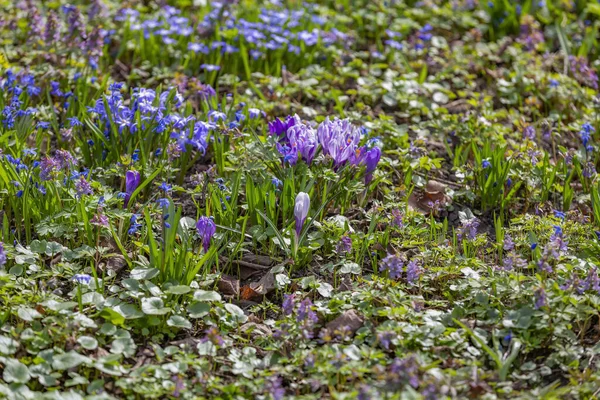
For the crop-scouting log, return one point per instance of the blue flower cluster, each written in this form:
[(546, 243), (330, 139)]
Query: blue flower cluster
[(275, 29)]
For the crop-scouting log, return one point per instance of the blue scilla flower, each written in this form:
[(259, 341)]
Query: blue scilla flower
[(29, 152), (74, 121), (83, 279), (164, 203), (165, 187), (486, 164), (586, 132), (43, 125), (134, 227)]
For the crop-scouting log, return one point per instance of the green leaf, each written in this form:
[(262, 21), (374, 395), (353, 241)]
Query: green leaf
[(144, 273), (154, 306), (129, 311), (236, 312), (423, 74), (198, 309), (124, 346), (178, 321), (277, 233), (28, 314), (15, 371), (178, 289), (8, 345), (88, 342), (516, 346), (350, 268), (38, 246), (112, 316), (206, 295), (142, 186), (68, 360), (484, 345)]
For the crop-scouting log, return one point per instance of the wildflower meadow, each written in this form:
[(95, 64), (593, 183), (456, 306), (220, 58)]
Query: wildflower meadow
[(282, 199)]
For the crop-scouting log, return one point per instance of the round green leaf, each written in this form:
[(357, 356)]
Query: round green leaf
[(87, 342), (154, 306), (179, 289), (177, 321), (15, 371)]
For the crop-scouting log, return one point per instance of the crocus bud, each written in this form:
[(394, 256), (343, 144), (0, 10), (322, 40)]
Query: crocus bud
[(2, 254), (372, 158), (206, 229), (132, 181), (301, 211)]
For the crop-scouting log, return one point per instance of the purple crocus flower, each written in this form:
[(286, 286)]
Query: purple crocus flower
[(303, 139), (371, 160), (2, 255), (206, 229), (132, 181), (339, 140), (280, 127), (301, 211)]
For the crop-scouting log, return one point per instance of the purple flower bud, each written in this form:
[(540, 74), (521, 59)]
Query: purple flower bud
[(132, 181), (371, 160), (301, 211), (2, 255), (206, 229)]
